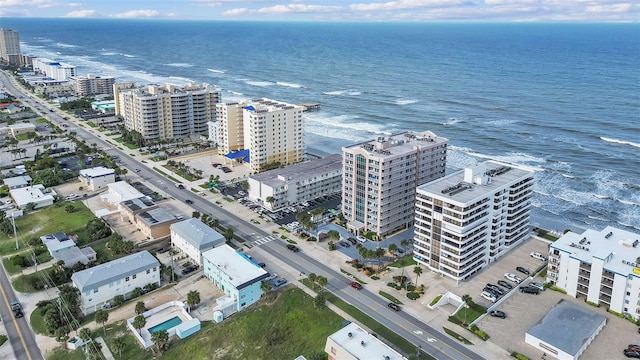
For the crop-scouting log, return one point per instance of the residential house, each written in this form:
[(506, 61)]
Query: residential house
[(193, 237)]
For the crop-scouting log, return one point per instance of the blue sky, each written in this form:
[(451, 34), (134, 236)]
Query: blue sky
[(332, 10)]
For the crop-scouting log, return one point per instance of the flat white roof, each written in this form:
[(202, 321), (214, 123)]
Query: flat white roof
[(30, 194), (96, 172), (124, 190), (614, 246), (240, 269), (362, 345)]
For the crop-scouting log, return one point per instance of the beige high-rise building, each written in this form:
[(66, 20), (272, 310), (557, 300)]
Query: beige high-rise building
[(93, 85), (380, 179), (10, 47), (165, 112), (272, 132)]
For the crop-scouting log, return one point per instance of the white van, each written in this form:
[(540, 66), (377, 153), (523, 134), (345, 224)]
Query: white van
[(489, 296), (180, 186)]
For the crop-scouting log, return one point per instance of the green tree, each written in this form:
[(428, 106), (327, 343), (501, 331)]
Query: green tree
[(320, 300), (69, 208), (265, 286), (228, 234), (84, 334), (102, 317), (333, 235), (140, 308), (160, 340), (118, 344), (193, 299), (379, 254), (195, 214), (139, 322), (404, 243), (322, 282), (392, 249), (271, 200), (418, 271), (312, 277), (62, 334), (468, 301), (118, 300)]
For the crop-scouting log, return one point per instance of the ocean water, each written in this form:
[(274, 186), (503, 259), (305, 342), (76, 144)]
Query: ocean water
[(561, 99)]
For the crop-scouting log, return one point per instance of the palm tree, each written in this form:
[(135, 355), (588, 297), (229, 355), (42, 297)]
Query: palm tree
[(102, 317), (379, 254), (271, 200), (312, 277), (84, 334), (228, 234), (333, 235), (139, 322), (418, 271), (118, 344), (322, 281), (265, 286), (160, 340), (404, 243), (140, 308), (392, 249), (215, 223), (193, 299)]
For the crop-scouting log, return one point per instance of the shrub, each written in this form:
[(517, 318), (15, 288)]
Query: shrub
[(413, 296), (375, 277), (411, 288), (390, 284), (519, 356), (137, 292), (592, 303), (434, 301), (118, 300)]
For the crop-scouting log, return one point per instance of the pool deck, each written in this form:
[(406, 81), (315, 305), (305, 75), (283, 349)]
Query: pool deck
[(157, 316)]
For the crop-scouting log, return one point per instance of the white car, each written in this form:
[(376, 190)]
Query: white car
[(513, 277), (362, 239), (538, 256), (489, 296)]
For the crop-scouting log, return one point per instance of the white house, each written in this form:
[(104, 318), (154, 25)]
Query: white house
[(102, 283), (193, 237), (17, 181), (57, 242), (232, 272), (35, 194), (97, 177), (353, 342), (120, 191)]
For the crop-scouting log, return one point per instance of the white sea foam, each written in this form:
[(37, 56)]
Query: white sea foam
[(601, 196), (216, 71), (259, 83), (107, 53), (354, 93), (626, 202), (343, 92), (618, 141), (180, 65), (181, 80), (128, 55), (569, 176), (520, 159), (234, 92), (405, 102), (451, 121), (291, 85), (63, 45)]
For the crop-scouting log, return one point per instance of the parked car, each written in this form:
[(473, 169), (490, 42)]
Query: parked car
[(352, 240), (522, 270), (512, 277), (189, 269), (278, 282), (538, 256), (262, 265), (496, 289), (505, 284), (489, 296), (537, 286), (362, 239), (633, 347), (17, 309), (345, 244), (293, 248), (498, 314), (631, 353), (355, 285), (393, 306), (530, 290), (492, 291), (163, 250)]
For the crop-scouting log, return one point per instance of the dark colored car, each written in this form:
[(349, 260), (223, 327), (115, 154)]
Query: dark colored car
[(495, 288), (189, 201), (522, 270), (189, 269), (262, 265), (164, 250), (17, 309), (136, 170), (393, 306), (498, 314), (355, 285), (345, 244), (634, 347), (292, 248), (505, 284), (492, 291), (352, 240), (631, 353), (530, 290)]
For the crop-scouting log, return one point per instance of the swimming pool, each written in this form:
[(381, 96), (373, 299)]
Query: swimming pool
[(175, 321)]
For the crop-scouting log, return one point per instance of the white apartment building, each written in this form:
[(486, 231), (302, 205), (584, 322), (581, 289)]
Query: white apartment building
[(165, 112), (601, 266), (214, 131), (10, 47), (470, 218), (272, 131), (54, 69), (380, 179), (297, 183), (101, 283), (354, 343), (97, 177), (193, 238), (93, 85)]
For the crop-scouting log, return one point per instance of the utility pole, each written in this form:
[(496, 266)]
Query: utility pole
[(15, 233)]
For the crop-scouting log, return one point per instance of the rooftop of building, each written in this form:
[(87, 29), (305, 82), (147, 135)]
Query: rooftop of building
[(96, 172), (156, 89), (21, 126), (106, 273), (74, 255), (56, 242), (156, 216), (136, 204), (196, 233), (567, 326), (241, 271), (397, 144), (27, 194), (17, 181), (619, 249), (362, 345), (268, 105), (124, 190), (473, 182), (300, 172)]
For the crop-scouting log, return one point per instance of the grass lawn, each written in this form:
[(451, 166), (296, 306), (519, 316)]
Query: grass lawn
[(42, 121), (188, 177), (405, 261), (92, 124), (284, 329), (130, 146), (45, 221), (9, 267), (21, 137), (23, 283), (467, 315), (37, 322)]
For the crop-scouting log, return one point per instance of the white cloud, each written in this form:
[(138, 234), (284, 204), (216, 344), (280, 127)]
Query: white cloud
[(407, 5), (143, 13), (284, 9), (82, 14)]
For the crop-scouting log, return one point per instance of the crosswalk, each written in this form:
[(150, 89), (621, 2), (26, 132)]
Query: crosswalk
[(263, 240)]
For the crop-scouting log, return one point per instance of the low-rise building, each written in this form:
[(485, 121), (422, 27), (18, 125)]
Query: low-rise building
[(35, 194), (155, 223), (74, 255), (193, 237), (101, 283), (17, 182), (21, 128), (297, 183), (130, 208), (97, 177), (601, 266), (353, 343), (120, 191), (57, 242), (235, 274), (105, 107)]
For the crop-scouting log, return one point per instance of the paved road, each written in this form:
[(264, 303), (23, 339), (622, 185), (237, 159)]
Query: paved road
[(370, 304)]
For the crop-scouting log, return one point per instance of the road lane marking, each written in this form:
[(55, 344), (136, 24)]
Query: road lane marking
[(24, 344)]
